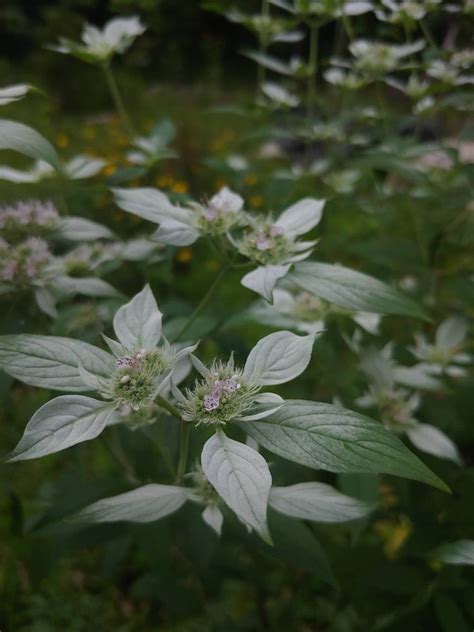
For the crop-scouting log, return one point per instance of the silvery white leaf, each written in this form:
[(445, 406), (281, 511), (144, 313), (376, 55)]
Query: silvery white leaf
[(16, 175), (117, 349), (357, 7), (451, 333), (263, 280), (144, 504), (92, 381), (242, 479), (88, 286), (199, 366), (45, 301), (81, 229), (14, 93), (61, 423), (149, 204), (278, 358), (318, 502), (432, 440), (175, 233), (459, 552), (417, 376), (52, 361), (267, 61), (27, 141), (301, 217), (81, 167), (290, 37), (137, 324), (213, 517)]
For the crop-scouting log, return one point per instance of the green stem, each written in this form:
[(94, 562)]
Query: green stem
[(161, 401), (261, 70), (427, 33), (117, 99), (348, 27), (183, 451), (312, 69), (204, 301)]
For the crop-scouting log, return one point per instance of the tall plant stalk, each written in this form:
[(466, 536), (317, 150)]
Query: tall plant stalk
[(117, 99), (263, 45), (312, 69)]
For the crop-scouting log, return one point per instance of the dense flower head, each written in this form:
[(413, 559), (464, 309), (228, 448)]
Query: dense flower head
[(265, 242), (28, 217), (23, 263), (396, 408), (134, 382), (445, 354), (219, 396), (203, 492), (222, 213)]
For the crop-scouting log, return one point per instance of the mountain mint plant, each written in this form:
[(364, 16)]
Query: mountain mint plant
[(394, 185)]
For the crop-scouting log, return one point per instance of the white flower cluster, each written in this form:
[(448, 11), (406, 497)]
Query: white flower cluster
[(23, 263), (271, 243)]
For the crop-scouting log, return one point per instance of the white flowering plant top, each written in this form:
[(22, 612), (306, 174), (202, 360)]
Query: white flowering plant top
[(141, 373), (99, 45), (395, 392)]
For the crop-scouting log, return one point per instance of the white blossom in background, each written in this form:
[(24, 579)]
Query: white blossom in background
[(305, 313), (344, 78), (279, 96), (236, 162), (99, 45), (148, 150), (78, 168), (415, 87), (324, 8), (445, 356), (448, 73), (31, 217), (268, 29), (274, 245), (343, 182), (398, 406), (181, 226), (10, 94), (405, 12), (374, 59)]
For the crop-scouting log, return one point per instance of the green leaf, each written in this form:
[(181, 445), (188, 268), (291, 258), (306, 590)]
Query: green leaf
[(331, 438), (60, 424), (295, 543), (450, 615), (27, 141), (352, 290), (52, 361), (318, 502), (459, 552), (144, 504), (241, 477)]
